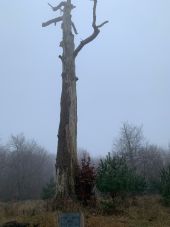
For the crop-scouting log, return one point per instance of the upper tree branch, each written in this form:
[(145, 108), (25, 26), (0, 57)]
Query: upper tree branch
[(52, 21), (95, 33), (94, 13), (57, 7), (62, 4), (105, 22)]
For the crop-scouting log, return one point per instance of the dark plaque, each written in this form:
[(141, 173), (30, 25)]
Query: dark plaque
[(71, 220)]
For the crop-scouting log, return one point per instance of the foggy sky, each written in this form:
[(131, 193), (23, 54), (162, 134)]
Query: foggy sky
[(124, 75)]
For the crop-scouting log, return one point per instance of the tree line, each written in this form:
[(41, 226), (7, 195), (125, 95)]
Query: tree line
[(133, 167), (25, 168)]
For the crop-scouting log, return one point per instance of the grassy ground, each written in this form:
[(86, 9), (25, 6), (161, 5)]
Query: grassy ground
[(144, 212)]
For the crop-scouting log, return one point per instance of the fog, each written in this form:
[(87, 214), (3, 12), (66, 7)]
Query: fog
[(123, 74)]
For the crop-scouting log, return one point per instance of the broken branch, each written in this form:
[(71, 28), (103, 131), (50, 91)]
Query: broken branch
[(61, 57), (57, 7), (58, 19), (74, 28)]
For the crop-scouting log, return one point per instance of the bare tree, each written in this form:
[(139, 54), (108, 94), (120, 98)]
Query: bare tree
[(129, 143), (66, 160), (145, 159)]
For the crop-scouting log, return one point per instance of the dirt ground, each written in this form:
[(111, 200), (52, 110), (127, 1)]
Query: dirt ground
[(146, 212)]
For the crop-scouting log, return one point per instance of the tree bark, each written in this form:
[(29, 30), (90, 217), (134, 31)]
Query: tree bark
[(66, 161)]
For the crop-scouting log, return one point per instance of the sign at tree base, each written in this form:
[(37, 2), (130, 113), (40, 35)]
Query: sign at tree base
[(71, 220)]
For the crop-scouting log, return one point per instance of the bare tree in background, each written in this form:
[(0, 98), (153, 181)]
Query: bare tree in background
[(146, 159), (129, 143), (66, 160)]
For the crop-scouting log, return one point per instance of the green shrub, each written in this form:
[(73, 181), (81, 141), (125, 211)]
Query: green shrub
[(114, 177)]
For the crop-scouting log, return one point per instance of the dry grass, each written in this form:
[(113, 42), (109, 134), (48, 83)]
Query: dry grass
[(145, 212)]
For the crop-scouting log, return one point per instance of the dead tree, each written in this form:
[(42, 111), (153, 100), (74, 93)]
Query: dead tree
[(66, 160)]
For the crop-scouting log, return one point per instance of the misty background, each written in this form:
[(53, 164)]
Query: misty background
[(123, 74)]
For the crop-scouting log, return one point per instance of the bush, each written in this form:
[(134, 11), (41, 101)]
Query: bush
[(49, 190), (85, 180), (165, 185), (114, 177)]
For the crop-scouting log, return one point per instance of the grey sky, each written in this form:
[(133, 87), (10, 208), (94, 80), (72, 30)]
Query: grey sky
[(124, 75)]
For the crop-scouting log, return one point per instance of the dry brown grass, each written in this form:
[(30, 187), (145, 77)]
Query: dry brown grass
[(147, 211)]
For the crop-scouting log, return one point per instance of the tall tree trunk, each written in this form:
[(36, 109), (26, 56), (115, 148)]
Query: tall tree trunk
[(66, 161)]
